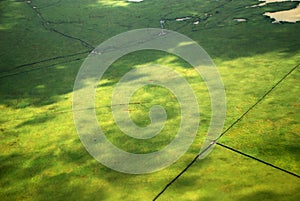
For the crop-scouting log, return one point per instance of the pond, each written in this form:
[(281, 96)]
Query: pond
[(292, 15)]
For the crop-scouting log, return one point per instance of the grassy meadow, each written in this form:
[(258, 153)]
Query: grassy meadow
[(44, 43)]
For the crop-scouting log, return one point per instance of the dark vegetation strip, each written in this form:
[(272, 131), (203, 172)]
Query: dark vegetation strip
[(109, 49), (38, 68), (239, 152), (46, 60), (84, 43), (259, 160), (51, 4), (46, 23)]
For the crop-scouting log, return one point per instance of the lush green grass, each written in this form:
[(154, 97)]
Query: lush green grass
[(41, 154)]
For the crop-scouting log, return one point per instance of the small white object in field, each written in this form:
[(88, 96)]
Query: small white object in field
[(136, 1), (182, 19), (28, 1), (276, 22), (162, 33), (34, 7), (197, 22), (240, 20), (96, 52), (162, 22)]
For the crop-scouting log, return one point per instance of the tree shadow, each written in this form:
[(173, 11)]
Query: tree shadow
[(270, 195), (38, 88), (242, 40), (41, 174)]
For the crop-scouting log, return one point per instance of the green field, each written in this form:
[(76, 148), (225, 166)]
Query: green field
[(44, 43)]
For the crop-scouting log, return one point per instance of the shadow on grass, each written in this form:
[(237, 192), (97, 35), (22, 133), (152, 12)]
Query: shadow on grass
[(52, 170), (45, 87), (38, 88), (40, 119), (36, 181), (271, 196)]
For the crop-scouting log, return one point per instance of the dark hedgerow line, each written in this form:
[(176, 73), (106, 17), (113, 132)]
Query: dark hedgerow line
[(45, 60), (259, 160), (38, 68)]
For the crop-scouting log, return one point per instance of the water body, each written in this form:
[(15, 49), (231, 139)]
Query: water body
[(292, 15)]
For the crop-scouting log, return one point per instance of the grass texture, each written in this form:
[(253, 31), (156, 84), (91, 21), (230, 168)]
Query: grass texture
[(43, 44)]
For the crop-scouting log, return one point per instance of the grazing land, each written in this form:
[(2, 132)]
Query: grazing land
[(44, 43)]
